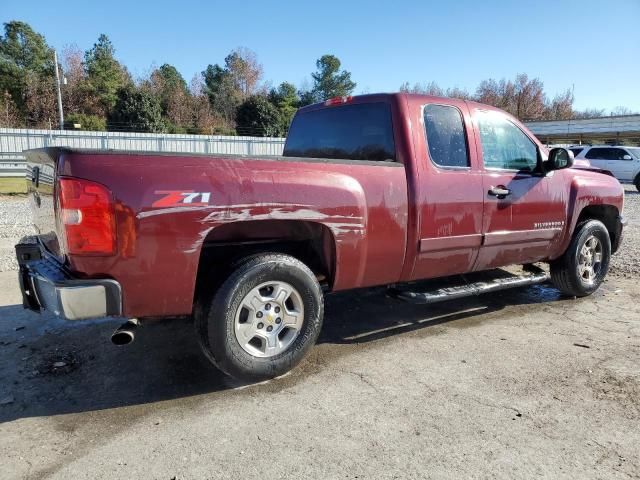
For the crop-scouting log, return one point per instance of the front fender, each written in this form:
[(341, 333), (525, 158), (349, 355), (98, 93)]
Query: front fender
[(591, 189)]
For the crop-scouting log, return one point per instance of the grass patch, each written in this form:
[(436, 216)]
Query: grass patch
[(13, 185)]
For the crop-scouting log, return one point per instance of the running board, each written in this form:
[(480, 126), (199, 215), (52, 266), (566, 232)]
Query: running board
[(534, 276)]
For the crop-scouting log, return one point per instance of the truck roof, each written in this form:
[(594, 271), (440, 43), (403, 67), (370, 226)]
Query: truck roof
[(386, 97), (368, 98)]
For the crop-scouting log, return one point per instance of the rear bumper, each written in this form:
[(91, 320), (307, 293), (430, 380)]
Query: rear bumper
[(47, 285), (621, 222)]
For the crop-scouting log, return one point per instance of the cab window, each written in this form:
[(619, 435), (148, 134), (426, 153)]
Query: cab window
[(351, 132), (445, 136), (505, 146)]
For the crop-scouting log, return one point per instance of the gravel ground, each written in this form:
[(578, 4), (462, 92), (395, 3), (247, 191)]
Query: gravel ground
[(15, 223), (626, 262)]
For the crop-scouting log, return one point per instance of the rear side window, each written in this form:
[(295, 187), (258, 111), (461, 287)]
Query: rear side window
[(445, 136), (618, 154), (352, 132), (505, 146)]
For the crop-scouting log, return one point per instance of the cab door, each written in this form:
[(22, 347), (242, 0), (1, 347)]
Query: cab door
[(524, 210), (449, 190)]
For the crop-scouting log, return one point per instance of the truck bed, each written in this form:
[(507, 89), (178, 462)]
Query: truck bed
[(168, 206)]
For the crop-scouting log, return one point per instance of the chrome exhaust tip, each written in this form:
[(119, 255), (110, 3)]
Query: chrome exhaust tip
[(125, 334)]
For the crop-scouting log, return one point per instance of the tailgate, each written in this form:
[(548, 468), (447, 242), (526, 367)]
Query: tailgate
[(41, 176)]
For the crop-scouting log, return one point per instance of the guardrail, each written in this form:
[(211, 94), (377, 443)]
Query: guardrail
[(12, 165)]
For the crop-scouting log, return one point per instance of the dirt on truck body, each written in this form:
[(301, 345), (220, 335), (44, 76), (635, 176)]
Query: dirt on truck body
[(371, 190)]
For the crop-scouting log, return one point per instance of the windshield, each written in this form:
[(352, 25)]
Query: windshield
[(352, 132)]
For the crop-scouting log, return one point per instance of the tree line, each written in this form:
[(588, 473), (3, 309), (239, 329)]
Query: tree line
[(99, 93), (522, 97)]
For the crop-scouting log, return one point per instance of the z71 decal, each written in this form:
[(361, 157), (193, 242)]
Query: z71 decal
[(177, 198)]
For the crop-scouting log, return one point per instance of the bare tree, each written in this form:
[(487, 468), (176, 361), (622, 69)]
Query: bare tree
[(179, 107), (168, 85), (40, 96), (77, 95), (589, 113), (201, 114), (530, 100), (430, 88), (621, 110), (459, 93), (497, 93), (197, 86), (524, 98), (245, 70), (560, 107), (9, 114), (229, 85), (72, 63)]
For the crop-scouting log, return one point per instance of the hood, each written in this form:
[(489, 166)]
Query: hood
[(583, 164)]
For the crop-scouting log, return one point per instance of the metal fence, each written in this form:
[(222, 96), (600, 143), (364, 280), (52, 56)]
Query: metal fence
[(14, 141), (610, 130)]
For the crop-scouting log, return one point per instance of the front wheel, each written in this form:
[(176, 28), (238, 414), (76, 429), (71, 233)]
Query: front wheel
[(637, 182), (263, 318), (583, 267)]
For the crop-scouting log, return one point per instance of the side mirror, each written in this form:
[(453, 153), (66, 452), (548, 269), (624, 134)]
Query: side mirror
[(559, 158), (627, 157)]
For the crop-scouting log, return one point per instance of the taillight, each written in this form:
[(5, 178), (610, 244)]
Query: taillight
[(338, 101), (87, 217)]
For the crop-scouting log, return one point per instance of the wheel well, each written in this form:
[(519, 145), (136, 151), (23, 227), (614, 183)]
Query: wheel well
[(310, 242), (607, 214)]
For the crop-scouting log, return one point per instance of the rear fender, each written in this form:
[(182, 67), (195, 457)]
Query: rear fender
[(345, 216)]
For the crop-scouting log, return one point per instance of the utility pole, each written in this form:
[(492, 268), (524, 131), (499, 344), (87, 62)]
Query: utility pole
[(55, 61)]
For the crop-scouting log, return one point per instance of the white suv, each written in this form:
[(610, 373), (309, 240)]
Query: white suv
[(623, 162)]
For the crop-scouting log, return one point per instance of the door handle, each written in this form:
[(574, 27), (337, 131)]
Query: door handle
[(499, 191)]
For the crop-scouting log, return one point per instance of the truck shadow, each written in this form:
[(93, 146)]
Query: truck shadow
[(383, 316), (52, 367)]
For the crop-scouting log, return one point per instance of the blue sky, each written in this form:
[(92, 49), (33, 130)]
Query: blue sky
[(592, 45)]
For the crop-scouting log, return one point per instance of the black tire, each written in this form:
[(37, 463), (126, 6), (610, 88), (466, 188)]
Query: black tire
[(565, 270), (636, 182), (215, 321)]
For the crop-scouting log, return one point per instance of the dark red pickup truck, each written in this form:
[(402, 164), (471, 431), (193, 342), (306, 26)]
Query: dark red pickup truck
[(370, 190)]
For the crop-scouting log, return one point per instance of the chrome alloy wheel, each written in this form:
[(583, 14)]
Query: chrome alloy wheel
[(269, 319), (590, 260)]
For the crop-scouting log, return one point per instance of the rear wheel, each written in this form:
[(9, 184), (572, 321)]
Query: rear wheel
[(636, 182), (264, 317), (583, 267)]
